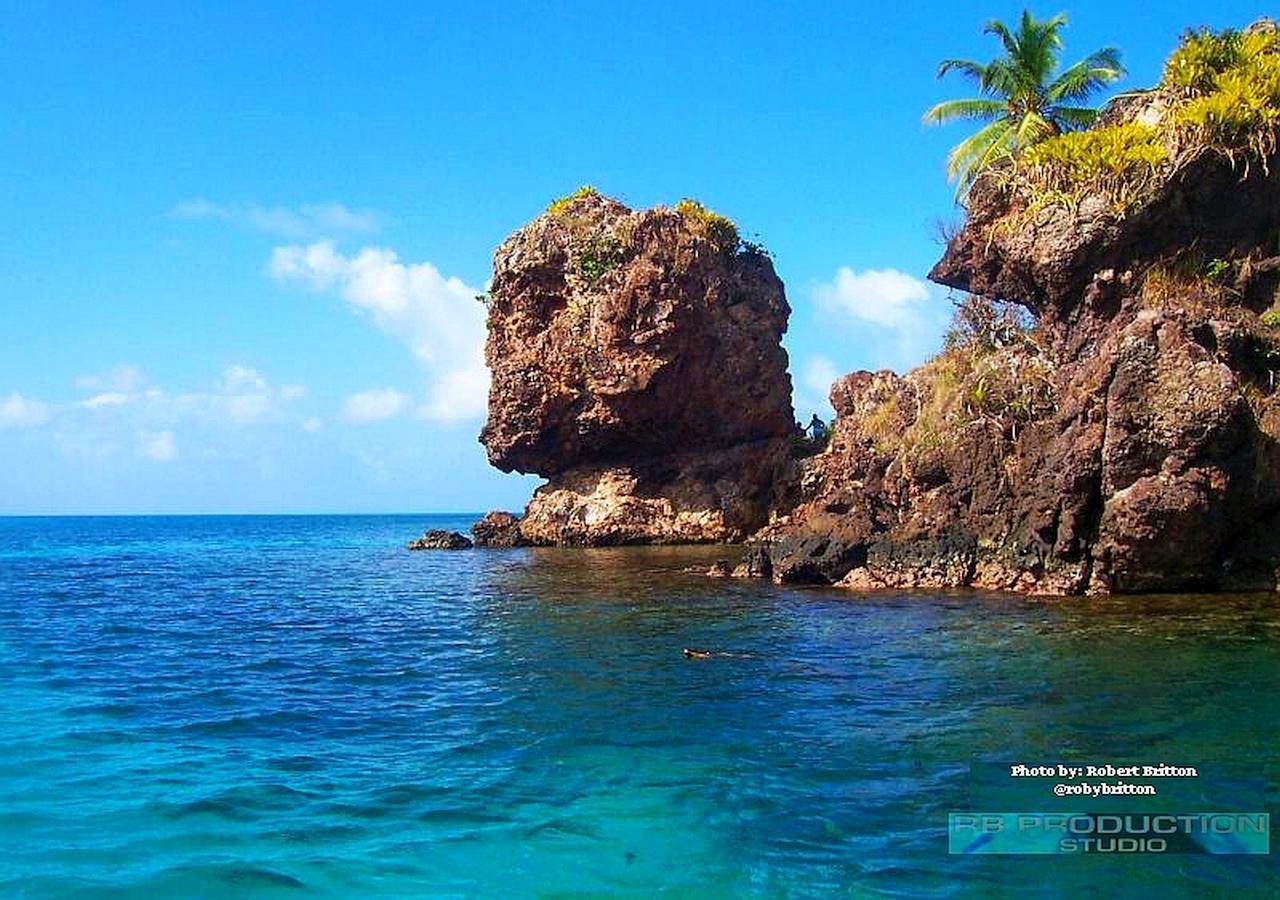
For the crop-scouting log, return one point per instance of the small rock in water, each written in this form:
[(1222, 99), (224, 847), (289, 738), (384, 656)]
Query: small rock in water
[(498, 529), (438, 539)]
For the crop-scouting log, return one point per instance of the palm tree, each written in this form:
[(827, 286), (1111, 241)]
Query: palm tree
[(1025, 98)]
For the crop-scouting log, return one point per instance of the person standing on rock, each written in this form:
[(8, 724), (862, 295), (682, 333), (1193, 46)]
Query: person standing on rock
[(817, 428)]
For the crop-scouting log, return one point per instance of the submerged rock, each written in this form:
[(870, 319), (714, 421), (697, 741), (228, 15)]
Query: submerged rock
[(721, 568), (438, 539), (637, 364)]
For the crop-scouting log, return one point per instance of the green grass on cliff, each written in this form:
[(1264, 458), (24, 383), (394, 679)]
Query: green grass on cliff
[(716, 228), (1231, 82), (598, 254), (560, 205), (993, 373), (1220, 92), (1117, 160)]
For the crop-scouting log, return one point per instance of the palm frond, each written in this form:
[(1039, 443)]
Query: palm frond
[(973, 108), (1038, 46), (1001, 30), (1072, 118), (976, 152), (1031, 129), (1086, 77), (974, 70), (1001, 79)]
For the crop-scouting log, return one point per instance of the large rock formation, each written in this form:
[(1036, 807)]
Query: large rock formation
[(1125, 442), (636, 364)]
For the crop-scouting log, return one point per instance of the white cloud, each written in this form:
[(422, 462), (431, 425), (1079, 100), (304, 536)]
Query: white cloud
[(435, 316), (374, 406), (235, 414), (157, 445), (882, 296), (109, 398), (200, 209), (461, 393), (310, 220), (122, 379), (819, 374), (901, 316), (17, 411), (241, 396), (245, 396), (812, 382)]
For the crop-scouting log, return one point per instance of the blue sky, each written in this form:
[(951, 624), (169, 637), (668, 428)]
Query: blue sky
[(240, 240)]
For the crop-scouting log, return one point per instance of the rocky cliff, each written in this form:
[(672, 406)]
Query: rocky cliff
[(637, 364), (1104, 417)]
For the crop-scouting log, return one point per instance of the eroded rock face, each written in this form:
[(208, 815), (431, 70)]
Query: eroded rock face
[(680, 498), (1074, 265), (1133, 442), (1153, 472), (637, 364)]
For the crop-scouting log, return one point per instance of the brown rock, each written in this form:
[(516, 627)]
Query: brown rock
[(721, 568), (498, 529), (438, 539), (1129, 442), (637, 363)]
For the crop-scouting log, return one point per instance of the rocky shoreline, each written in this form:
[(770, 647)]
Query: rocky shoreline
[(1102, 419)]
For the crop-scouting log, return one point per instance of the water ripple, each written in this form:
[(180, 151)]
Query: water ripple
[(297, 706)]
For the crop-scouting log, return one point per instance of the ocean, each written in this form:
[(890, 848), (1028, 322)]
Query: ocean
[(299, 707)]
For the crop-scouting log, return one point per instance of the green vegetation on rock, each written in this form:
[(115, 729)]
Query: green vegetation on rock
[(1220, 92), (713, 226), (560, 205), (598, 245), (1231, 85), (1104, 159), (992, 373), (598, 256)]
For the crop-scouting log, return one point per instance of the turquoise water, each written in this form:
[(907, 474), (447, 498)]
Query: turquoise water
[(297, 707)]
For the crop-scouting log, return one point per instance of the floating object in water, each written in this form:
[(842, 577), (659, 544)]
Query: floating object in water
[(698, 653)]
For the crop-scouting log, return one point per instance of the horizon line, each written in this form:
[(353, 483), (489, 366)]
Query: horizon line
[(224, 515)]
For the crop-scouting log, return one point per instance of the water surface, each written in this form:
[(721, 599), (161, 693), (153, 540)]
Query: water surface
[(296, 706)]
